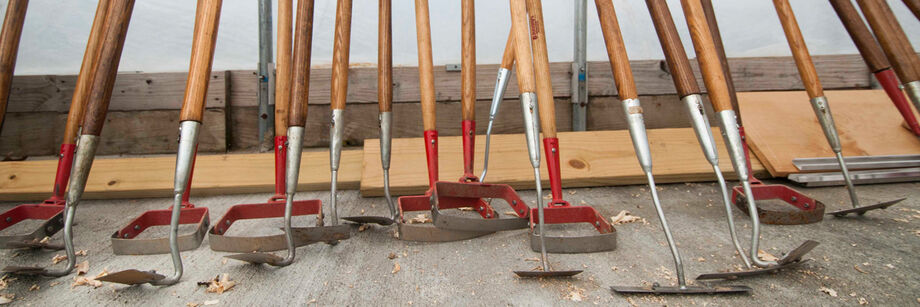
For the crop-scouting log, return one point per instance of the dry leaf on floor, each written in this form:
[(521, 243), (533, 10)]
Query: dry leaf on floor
[(82, 267), (420, 219), (701, 259), (396, 267), (211, 302), (88, 281), (35, 287), (465, 208), (766, 256), (863, 301), (856, 266), (192, 304), (7, 298), (4, 282), (58, 258), (220, 284), (363, 227), (515, 213), (625, 217), (575, 294), (534, 259), (45, 240), (391, 256), (829, 291), (54, 283), (81, 252)]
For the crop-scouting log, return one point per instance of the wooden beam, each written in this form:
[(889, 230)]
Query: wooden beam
[(153, 177), (781, 126), (593, 158)]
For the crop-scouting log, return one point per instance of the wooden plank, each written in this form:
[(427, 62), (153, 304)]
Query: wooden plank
[(133, 91), (125, 132), (594, 158), (153, 176), (781, 126)]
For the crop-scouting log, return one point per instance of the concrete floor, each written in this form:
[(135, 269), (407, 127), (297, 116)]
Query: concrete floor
[(872, 258)]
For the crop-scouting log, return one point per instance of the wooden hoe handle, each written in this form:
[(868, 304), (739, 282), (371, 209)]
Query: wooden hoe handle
[(869, 49), (707, 55), (9, 46), (892, 38), (674, 52), (300, 78), (385, 56), (207, 18), (340, 50), (616, 50), (520, 34), (425, 66), (545, 102), (85, 78), (468, 71), (799, 49), (283, 67), (508, 55), (115, 28)]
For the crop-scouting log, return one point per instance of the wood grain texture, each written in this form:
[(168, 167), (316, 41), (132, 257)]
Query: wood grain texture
[(866, 123), (799, 49), (914, 6), (340, 52), (713, 23), (594, 158), (674, 53), (616, 50), (425, 66), (707, 55), (300, 74), (118, 16), (85, 77), (520, 33), (283, 66), (153, 177), (892, 38), (468, 60), (385, 56), (865, 42), (204, 41), (541, 69), (9, 47), (508, 54)]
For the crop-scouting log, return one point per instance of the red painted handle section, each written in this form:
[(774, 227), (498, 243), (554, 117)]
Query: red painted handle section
[(431, 155), (280, 162), (469, 150), (62, 175), (889, 82), (551, 150)]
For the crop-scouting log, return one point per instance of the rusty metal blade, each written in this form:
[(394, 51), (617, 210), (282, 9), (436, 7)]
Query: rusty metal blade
[(797, 253), (429, 233), (478, 224), (576, 245), (864, 209), (321, 233), (542, 274), (154, 246), (222, 243), (257, 258), (678, 290), (380, 220), (755, 272), (132, 277)]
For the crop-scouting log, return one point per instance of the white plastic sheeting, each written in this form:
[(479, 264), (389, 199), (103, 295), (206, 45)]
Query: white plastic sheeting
[(160, 34)]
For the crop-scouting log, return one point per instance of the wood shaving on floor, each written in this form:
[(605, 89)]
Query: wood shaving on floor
[(7, 298), (625, 217), (82, 267), (766, 256), (88, 281), (396, 268), (420, 219), (220, 284), (828, 291)]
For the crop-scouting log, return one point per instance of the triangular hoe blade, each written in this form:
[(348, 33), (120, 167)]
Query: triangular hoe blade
[(321, 233), (678, 290), (380, 220), (797, 253), (257, 258), (132, 277), (864, 209), (548, 274), (736, 275)]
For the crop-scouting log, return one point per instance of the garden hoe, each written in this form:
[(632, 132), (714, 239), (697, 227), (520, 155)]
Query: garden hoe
[(714, 76), (874, 57), (806, 210), (207, 18), (896, 45), (297, 116), (274, 208), (385, 103), (690, 94), (101, 78), (626, 89), (407, 230), (52, 209), (914, 6), (469, 186), (819, 103), (520, 27), (498, 94)]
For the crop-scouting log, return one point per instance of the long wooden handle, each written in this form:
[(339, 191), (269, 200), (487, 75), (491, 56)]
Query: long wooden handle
[(799, 49), (425, 66), (283, 66), (713, 24), (914, 6), (892, 38), (300, 74), (706, 55), (871, 52), (207, 18), (616, 50), (468, 61), (9, 47), (508, 54), (339, 93), (115, 28), (673, 48), (547, 105), (385, 56), (85, 78), (520, 34)]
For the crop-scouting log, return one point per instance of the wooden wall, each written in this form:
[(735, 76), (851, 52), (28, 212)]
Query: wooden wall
[(144, 110)]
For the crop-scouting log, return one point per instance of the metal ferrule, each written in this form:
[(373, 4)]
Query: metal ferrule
[(531, 126), (826, 119), (633, 111), (500, 85), (386, 137), (694, 105), (336, 131), (913, 91), (732, 137), (188, 140), (292, 169)]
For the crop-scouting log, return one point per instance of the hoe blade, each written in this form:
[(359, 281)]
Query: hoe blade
[(864, 209), (429, 233), (257, 258), (576, 245), (380, 220), (132, 277), (547, 274), (25, 270), (321, 233), (755, 272), (797, 253), (679, 290)]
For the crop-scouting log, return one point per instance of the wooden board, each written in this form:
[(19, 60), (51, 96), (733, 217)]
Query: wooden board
[(781, 126), (153, 177), (593, 158)]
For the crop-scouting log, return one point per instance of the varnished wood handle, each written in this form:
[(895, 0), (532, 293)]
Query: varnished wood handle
[(914, 6), (547, 105), (799, 49), (520, 34), (508, 54), (468, 61), (207, 18), (713, 24), (871, 52), (425, 66), (85, 78), (283, 66), (9, 47), (385, 56), (892, 38), (673, 48), (300, 73), (706, 55), (115, 28), (339, 92), (616, 50)]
